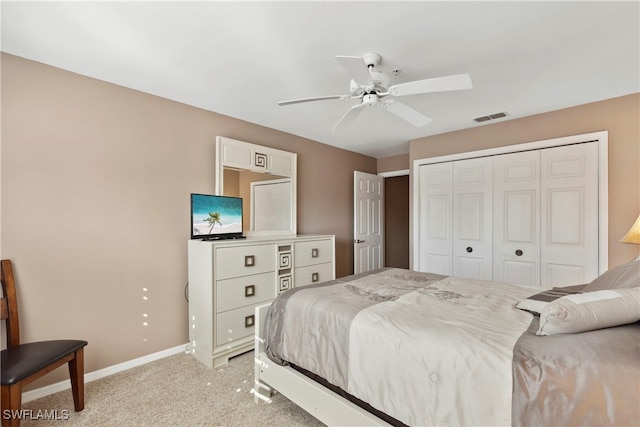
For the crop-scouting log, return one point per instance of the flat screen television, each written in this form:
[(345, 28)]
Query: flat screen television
[(216, 217)]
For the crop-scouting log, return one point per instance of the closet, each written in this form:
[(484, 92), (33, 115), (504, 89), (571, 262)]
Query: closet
[(528, 217)]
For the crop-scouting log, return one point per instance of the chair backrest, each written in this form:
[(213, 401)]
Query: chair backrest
[(9, 304)]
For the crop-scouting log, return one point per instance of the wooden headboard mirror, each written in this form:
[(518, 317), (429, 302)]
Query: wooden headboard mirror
[(265, 178)]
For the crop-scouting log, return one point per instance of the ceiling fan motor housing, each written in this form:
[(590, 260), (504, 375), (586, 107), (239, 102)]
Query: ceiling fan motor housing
[(380, 80)]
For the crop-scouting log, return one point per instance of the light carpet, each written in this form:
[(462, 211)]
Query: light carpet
[(174, 391)]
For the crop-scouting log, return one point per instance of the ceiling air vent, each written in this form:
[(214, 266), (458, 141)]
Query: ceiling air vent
[(490, 117)]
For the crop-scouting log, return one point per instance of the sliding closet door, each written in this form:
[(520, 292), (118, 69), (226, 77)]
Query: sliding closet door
[(530, 217), (569, 214), (455, 218), (516, 218), (435, 215), (472, 224)]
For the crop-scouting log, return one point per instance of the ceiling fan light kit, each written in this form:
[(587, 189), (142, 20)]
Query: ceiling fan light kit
[(371, 85)]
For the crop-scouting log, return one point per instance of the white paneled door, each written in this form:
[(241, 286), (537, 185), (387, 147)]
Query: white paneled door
[(455, 218), (472, 223), (435, 233), (368, 227), (569, 214), (516, 218)]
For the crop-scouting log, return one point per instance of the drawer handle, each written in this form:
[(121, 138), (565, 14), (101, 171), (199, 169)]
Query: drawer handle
[(249, 260), (314, 253), (249, 290), (315, 277), (249, 321), (519, 252)]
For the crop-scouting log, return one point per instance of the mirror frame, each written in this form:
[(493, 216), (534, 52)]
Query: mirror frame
[(240, 155)]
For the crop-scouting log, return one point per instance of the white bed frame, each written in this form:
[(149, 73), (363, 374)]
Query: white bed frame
[(328, 407)]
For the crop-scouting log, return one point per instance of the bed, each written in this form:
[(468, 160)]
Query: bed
[(399, 347)]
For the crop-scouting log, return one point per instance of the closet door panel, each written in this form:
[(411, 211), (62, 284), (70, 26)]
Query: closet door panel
[(435, 212), (516, 218), (472, 224), (569, 214)]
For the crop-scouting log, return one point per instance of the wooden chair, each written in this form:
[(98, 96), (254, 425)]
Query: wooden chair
[(24, 363)]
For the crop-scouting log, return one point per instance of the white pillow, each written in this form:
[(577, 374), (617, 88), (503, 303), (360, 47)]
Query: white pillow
[(590, 310)]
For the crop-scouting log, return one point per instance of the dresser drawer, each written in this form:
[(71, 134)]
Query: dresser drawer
[(314, 274), (234, 324), (313, 252), (239, 261), (246, 290)]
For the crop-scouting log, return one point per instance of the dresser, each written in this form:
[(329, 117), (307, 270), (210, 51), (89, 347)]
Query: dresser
[(229, 278)]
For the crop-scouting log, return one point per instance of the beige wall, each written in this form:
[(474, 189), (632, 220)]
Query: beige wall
[(619, 116), (95, 206), (393, 163)]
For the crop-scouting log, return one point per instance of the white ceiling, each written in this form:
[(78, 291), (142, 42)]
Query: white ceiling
[(241, 58)]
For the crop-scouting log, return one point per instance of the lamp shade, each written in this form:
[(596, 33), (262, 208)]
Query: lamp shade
[(633, 236)]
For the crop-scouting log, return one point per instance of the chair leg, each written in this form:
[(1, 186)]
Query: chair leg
[(11, 405), (76, 374)]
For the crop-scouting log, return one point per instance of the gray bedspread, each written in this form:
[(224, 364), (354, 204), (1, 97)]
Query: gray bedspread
[(476, 361), (584, 379)]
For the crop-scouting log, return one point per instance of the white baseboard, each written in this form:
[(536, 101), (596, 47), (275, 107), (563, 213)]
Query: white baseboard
[(101, 373)]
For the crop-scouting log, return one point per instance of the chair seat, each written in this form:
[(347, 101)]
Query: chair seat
[(19, 362)]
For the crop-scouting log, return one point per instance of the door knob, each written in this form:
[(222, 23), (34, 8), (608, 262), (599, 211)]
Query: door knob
[(358, 241), (469, 249), (519, 252)]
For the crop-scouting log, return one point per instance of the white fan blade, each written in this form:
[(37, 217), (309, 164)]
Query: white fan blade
[(414, 117), (349, 116), (357, 69), (438, 84), (317, 98)]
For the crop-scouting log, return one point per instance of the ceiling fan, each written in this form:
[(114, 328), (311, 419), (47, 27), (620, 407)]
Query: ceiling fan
[(371, 86)]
